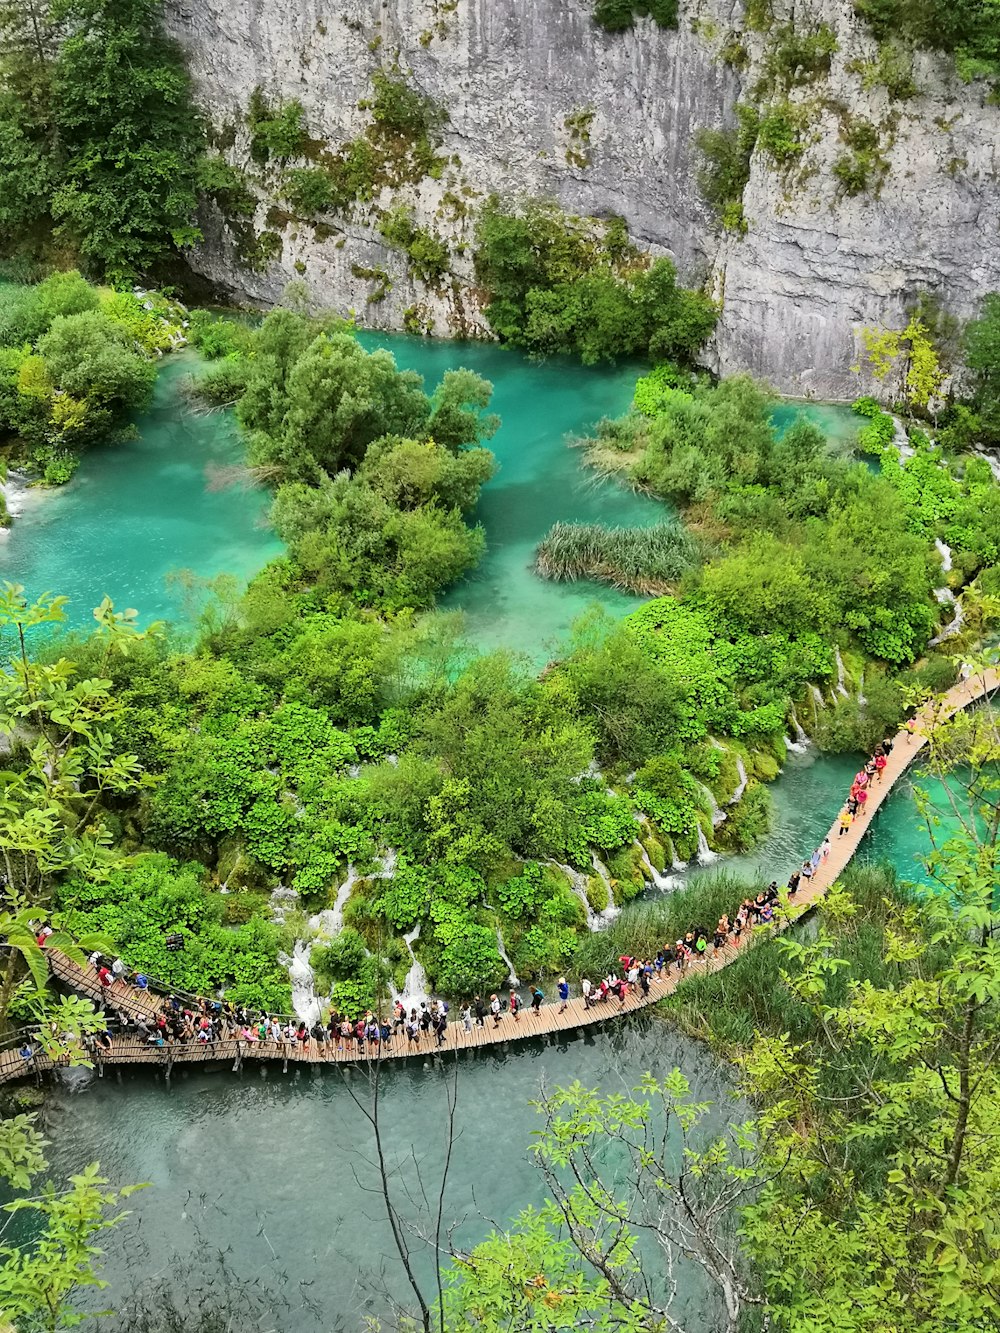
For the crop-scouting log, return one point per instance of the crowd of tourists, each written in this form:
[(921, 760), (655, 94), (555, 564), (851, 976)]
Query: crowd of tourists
[(184, 1019)]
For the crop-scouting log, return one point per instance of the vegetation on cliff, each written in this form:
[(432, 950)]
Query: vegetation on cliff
[(99, 138), (558, 283)]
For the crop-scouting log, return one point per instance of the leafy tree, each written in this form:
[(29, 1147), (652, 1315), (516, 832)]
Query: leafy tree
[(128, 134), (557, 284), (983, 358)]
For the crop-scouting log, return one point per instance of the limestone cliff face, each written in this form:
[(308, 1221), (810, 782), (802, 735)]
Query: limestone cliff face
[(813, 266)]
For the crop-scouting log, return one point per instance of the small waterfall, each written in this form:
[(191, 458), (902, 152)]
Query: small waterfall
[(741, 786), (512, 978), (716, 815), (800, 734), (705, 855), (818, 700), (281, 900), (578, 883), (665, 883), (307, 1007), (330, 921), (862, 699), (991, 461), (795, 747), (415, 985), (604, 875), (841, 687), (900, 440), (677, 864), (944, 551), (945, 595)]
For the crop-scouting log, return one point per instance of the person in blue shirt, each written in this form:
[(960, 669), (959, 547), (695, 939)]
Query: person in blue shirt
[(563, 993)]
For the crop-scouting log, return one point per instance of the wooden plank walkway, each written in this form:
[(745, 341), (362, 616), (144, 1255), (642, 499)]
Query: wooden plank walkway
[(131, 1050)]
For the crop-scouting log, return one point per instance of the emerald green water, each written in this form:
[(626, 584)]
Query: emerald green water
[(137, 512), (176, 499)]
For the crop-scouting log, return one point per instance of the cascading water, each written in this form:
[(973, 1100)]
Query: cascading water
[(604, 875), (414, 990), (705, 856), (841, 687), (741, 786), (795, 747), (945, 597), (800, 734), (717, 816), (818, 700), (578, 883), (512, 977), (330, 921), (665, 883), (901, 440), (304, 1002)]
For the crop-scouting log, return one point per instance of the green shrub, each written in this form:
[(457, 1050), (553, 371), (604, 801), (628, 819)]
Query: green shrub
[(403, 109), (726, 170), (427, 253), (309, 190), (781, 133), (279, 132), (795, 57), (619, 15)]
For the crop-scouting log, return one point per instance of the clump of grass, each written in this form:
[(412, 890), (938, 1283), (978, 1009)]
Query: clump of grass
[(642, 560)]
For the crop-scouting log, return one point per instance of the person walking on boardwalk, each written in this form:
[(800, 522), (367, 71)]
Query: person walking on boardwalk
[(441, 1027), (536, 1000), (563, 994), (495, 1010), (514, 1004), (585, 991), (480, 1011), (467, 1016), (412, 1030)]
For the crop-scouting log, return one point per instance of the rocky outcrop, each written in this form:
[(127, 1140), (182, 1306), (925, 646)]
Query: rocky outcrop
[(817, 265), (814, 265)]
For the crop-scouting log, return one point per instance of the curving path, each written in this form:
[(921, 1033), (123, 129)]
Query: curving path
[(137, 1003)]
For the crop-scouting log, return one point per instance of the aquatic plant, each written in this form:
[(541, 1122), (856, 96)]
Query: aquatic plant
[(643, 560)]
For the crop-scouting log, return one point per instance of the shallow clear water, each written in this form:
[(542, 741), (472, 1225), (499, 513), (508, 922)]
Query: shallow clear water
[(174, 500), (268, 1164), (539, 481), (136, 512)]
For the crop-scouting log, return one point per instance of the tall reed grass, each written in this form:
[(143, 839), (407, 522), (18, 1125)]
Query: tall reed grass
[(642, 560)]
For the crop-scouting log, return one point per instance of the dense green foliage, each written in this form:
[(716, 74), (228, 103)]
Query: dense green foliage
[(983, 359), (618, 15), (98, 134), (564, 284), (74, 362), (967, 29), (952, 498), (816, 544), (726, 168)]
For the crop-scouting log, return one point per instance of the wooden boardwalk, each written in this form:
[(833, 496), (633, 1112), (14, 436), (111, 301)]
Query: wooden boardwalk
[(131, 1050)]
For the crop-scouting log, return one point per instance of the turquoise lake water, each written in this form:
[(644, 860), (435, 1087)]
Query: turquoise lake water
[(137, 513)]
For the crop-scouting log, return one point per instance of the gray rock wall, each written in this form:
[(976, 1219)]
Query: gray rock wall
[(814, 265)]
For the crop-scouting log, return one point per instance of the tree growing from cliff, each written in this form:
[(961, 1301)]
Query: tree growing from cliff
[(98, 132), (983, 359)]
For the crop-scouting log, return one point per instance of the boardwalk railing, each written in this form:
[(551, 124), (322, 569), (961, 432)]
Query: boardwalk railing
[(144, 1004)]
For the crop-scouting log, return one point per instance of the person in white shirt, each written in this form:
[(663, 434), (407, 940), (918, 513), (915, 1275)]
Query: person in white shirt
[(585, 988)]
